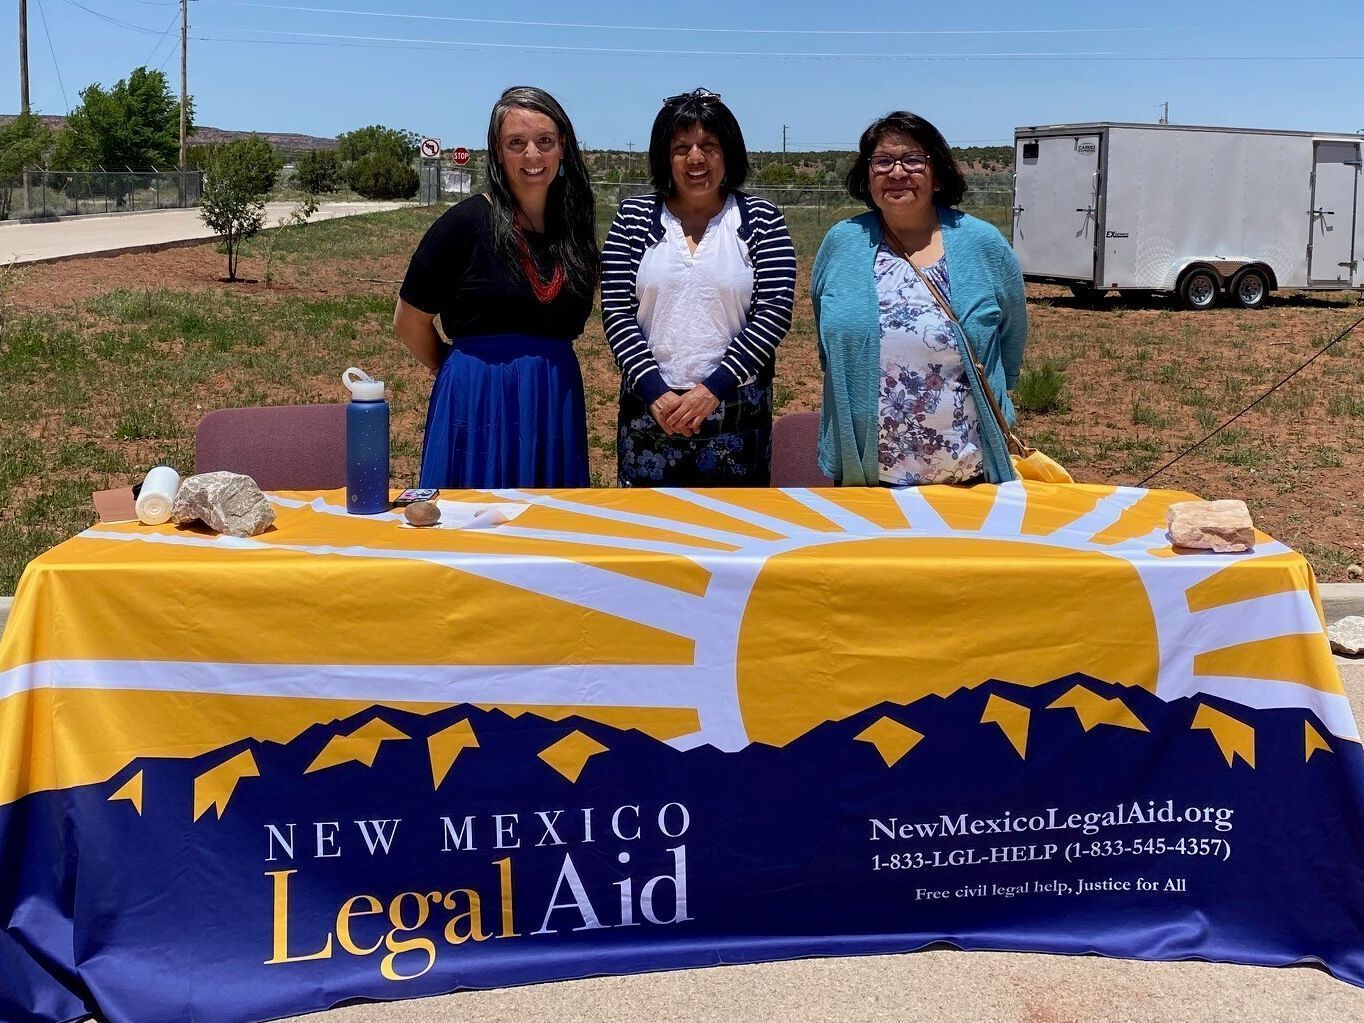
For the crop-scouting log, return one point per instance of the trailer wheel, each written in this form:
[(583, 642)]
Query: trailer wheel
[(1198, 290), (1250, 288), (1088, 296)]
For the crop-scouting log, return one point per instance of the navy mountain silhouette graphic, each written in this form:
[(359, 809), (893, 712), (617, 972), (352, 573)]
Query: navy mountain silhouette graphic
[(774, 849)]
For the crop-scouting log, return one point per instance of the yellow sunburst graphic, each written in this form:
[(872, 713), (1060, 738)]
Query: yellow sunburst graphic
[(723, 617)]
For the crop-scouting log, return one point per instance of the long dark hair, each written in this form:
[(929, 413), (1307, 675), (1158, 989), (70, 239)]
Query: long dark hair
[(570, 212), (947, 174), (684, 112)]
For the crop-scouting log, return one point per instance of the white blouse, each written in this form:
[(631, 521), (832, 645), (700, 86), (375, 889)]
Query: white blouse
[(693, 304)]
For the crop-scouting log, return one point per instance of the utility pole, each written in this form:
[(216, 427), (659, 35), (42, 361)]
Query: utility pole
[(630, 166), (784, 128), (184, 96), (23, 92), (1165, 117), (23, 56), (184, 79)]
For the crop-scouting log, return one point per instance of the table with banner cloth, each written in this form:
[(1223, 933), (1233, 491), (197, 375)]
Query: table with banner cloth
[(639, 730)]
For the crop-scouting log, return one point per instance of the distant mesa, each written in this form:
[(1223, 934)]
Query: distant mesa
[(285, 142)]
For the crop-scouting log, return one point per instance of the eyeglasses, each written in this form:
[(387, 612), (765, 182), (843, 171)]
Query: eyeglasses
[(703, 96), (516, 145), (913, 163)]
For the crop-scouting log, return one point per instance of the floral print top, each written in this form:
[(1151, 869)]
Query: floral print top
[(930, 429)]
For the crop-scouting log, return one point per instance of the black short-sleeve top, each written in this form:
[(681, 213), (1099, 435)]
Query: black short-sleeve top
[(455, 274)]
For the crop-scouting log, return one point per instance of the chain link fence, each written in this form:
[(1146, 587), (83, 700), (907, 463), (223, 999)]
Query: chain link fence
[(46, 194), (809, 212)]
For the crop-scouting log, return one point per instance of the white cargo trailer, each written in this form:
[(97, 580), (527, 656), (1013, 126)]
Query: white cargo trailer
[(1191, 211)]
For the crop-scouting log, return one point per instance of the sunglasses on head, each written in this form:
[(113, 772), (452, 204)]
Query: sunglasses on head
[(703, 96)]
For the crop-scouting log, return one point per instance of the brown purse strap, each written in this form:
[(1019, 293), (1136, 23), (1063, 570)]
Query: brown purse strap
[(1014, 442)]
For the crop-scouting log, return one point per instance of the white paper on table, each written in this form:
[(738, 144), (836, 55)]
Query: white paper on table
[(468, 515)]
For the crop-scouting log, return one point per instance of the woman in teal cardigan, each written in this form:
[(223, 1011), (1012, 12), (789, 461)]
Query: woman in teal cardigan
[(903, 403)]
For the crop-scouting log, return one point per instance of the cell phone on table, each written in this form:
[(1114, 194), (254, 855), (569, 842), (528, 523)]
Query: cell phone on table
[(414, 494)]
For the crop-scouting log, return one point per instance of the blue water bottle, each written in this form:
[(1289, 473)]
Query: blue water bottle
[(366, 444)]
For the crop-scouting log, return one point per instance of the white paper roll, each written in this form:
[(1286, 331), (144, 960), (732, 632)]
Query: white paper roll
[(157, 497)]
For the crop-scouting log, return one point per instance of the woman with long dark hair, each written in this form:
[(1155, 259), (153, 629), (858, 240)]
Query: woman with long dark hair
[(698, 281), (495, 294)]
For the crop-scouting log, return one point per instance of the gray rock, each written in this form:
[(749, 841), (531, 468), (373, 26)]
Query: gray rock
[(1347, 636), (226, 502), (1221, 526)]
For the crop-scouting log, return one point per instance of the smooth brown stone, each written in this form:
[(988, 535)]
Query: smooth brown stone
[(422, 513)]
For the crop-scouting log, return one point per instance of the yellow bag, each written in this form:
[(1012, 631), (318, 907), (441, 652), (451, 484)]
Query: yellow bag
[(1038, 465)]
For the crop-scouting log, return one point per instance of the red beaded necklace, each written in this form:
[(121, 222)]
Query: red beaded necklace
[(546, 291)]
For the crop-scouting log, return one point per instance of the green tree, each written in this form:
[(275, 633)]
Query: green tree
[(776, 175), (376, 140), (24, 142), (136, 125), (318, 171), (257, 164), (233, 203)]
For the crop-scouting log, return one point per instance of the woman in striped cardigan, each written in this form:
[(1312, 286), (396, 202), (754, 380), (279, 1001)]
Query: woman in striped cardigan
[(698, 282)]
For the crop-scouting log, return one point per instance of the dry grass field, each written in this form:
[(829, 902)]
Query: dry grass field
[(109, 363)]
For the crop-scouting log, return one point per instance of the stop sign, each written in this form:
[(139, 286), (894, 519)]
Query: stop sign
[(460, 156)]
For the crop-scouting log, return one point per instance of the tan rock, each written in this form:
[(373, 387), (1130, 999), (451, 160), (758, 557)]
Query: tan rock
[(422, 513), (226, 502), (1221, 526)]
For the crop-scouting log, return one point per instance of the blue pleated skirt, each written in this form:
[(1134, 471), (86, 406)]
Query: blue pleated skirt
[(507, 410)]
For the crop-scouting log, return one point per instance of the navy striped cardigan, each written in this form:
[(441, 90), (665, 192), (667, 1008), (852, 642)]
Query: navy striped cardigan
[(753, 352)]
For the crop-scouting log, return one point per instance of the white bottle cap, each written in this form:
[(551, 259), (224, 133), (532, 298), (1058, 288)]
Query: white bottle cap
[(363, 387)]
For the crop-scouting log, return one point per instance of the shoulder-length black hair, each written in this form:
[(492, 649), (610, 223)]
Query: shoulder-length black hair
[(683, 114), (570, 211), (947, 175)]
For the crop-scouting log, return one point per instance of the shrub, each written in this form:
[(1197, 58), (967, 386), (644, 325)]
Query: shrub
[(1041, 389), (379, 176), (353, 146), (318, 171)]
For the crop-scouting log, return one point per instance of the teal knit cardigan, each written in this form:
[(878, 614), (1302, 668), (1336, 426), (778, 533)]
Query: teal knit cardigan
[(987, 296)]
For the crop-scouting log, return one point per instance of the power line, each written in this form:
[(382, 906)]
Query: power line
[(671, 28), (164, 35), (114, 21), (42, 16), (1063, 55)]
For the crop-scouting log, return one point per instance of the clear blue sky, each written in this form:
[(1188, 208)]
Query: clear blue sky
[(298, 82)]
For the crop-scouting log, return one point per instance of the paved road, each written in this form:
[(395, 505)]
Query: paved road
[(34, 243), (940, 986)]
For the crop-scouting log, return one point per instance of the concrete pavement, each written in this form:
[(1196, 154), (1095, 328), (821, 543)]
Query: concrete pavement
[(132, 232)]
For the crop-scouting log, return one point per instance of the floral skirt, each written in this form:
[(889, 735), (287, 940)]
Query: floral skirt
[(733, 448)]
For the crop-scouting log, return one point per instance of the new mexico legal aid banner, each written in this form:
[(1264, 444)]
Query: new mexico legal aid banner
[(635, 731)]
